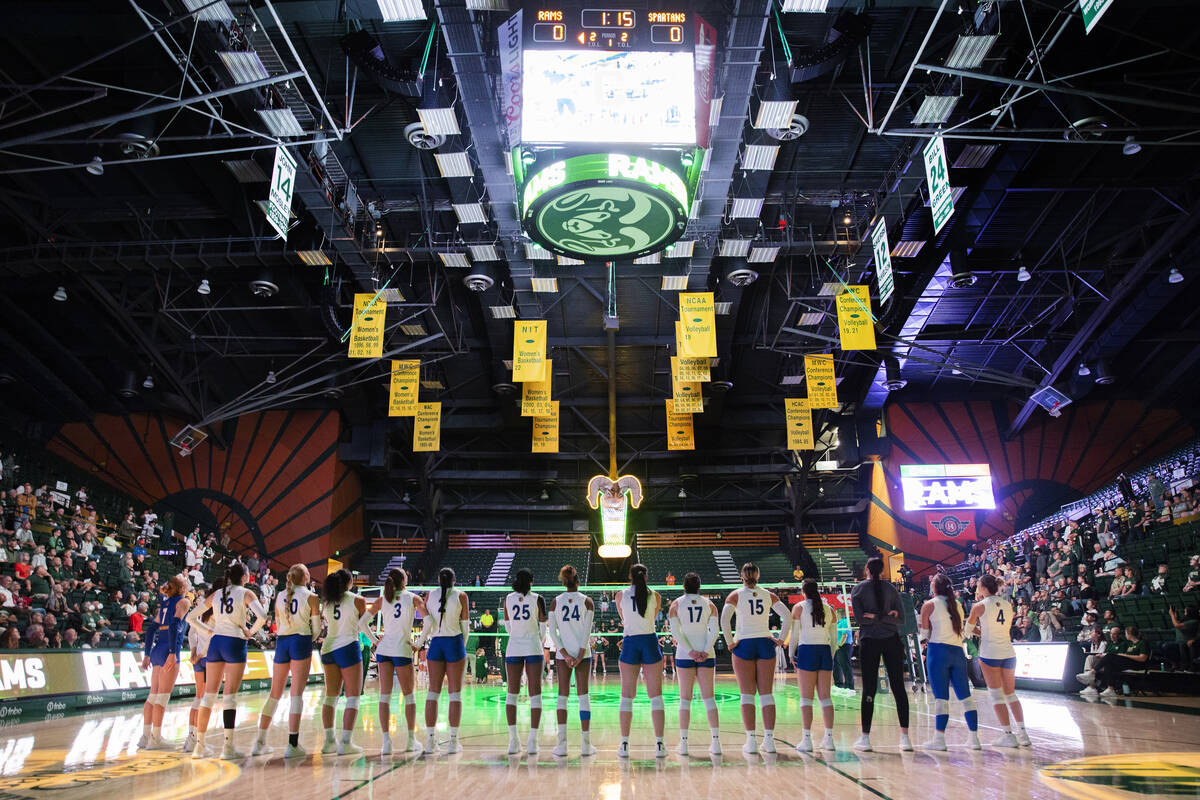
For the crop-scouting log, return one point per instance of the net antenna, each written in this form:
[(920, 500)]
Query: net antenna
[(187, 440)]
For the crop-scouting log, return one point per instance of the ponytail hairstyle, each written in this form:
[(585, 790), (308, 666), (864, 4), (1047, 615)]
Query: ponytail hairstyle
[(990, 583), (641, 592), (446, 582), (943, 586), (522, 581), (818, 606), (297, 575), (397, 579), (691, 583), (875, 570), (335, 585), (235, 574), (568, 576), (750, 574)]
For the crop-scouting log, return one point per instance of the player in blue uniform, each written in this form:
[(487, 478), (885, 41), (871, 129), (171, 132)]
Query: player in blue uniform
[(164, 640)]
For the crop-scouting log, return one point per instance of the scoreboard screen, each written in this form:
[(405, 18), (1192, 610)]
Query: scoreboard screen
[(610, 29)]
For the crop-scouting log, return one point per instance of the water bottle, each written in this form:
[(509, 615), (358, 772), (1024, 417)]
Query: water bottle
[(881, 679)]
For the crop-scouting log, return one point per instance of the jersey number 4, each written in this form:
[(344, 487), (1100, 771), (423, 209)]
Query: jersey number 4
[(1000, 616), (571, 613)]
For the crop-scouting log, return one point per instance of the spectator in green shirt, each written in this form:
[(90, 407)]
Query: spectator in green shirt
[(1135, 653), (1186, 648), (38, 586), (1193, 579)]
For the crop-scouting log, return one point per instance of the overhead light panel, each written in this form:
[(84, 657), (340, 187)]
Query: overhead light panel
[(535, 252), (244, 66), (439, 121), (567, 261), (653, 258), (746, 207), (936, 109), (401, 10), (805, 6), (723, 308), (811, 318), (544, 285), (714, 111), (207, 11), (775, 113), (454, 165), (246, 170), (504, 312), (974, 156), (458, 260), (735, 248), (762, 255), (487, 5), (281, 122), (830, 289), (470, 213), (674, 283), (391, 295), (432, 383), (907, 249), (314, 258), (792, 380), (760, 156), (681, 249), (484, 252), (970, 51), (413, 329)]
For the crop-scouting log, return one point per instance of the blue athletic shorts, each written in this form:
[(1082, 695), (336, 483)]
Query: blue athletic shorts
[(159, 653), (687, 663), (450, 649), (293, 647), (226, 650), (345, 656), (200, 665), (396, 661), (641, 649), (760, 648), (813, 657), (1003, 663), (538, 659)]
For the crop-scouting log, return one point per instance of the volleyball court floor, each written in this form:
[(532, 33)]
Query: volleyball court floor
[(1125, 749)]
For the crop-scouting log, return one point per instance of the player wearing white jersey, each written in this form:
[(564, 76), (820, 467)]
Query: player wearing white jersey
[(993, 616), (444, 627), (199, 634), (638, 606), (693, 623), (524, 618), (941, 626), (812, 636), (571, 617), (298, 621), (394, 654), (753, 652), (344, 615), (226, 658)]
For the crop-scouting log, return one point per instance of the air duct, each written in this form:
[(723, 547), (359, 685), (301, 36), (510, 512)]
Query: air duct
[(848, 32), (366, 52)]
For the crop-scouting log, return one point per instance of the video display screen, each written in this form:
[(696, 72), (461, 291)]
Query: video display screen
[(1042, 662), (946, 487), (621, 97)]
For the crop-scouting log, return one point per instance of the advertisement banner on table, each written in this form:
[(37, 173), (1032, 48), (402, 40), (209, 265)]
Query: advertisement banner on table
[(883, 262), (279, 197), (402, 394), (941, 198), (427, 428), (366, 331), (545, 431), (856, 323), (1091, 11), (705, 52), (950, 526), (687, 397), (535, 395), (822, 383), (687, 368), (799, 424), (529, 350), (680, 434), (509, 37), (697, 311)]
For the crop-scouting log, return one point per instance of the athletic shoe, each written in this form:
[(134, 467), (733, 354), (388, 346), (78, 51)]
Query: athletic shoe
[(144, 742), (973, 741), (329, 747), (386, 749), (905, 743), (827, 742), (348, 749), (750, 748), (560, 750), (261, 749), (805, 745), (189, 744), (587, 749), (714, 749), (200, 751), (453, 747), (411, 745), (159, 743), (1109, 692), (863, 743), (1086, 677), (532, 747), (294, 751), (768, 745), (1006, 740), (231, 753), (682, 748), (936, 743), (623, 750), (1023, 738), (660, 750), (1089, 691), (514, 746), (431, 745)]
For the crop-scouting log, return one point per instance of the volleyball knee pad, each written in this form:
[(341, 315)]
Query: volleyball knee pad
[(410, 699), (766, 700), (228, 702), (163, 699), (295, 704), (626, 704), (196, 702), (968, 703), (454, 697), (585, 707), (268, 708), (329, 700), (656, 703), (352, 702), (535, 701), (510, 699), (685, 703), (826, 702), (941, 707), (208, 701), (385, 701), (710, 703), (561, 703), (997, 696), (747, 699), (806, 702), (1011, 698)]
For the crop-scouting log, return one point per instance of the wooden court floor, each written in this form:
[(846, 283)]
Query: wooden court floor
[(1131, 749)]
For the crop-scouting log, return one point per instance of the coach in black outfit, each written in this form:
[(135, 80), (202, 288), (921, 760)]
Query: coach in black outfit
[(877, 610)]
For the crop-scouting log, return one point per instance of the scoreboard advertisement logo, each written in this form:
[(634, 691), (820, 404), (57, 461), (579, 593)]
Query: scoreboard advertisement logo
[(947, 487)]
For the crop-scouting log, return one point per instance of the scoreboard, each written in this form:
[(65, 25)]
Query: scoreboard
[(611, 29)]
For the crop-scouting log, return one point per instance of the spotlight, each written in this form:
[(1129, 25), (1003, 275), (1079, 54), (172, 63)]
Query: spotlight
[(1174, 276), (1023, 275), (846, 220), (406, 498), (204, 288), (1083, 371), (1131, 146), (148, 383), (682, 493), (545, 495), (271, 376), (95, 166), (60, 294)]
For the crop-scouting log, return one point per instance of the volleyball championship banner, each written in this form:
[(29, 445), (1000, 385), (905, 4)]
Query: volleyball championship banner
[(691, 369), (799, 424), (402, 397), (687, 397), (529, 350), (697, 311), (680, 433), (856, 324), (822, 383), (366, 329)]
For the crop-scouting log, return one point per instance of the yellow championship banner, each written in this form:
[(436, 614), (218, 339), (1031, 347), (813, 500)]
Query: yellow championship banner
[(680, 433), (855, 322), (687, 397), (698, 312), (402, 394), (366, 332), (529, 350), (535, 395), (822, 383), (683, 342), (427, 428), (545, 431), (689, 368), (799, 424)]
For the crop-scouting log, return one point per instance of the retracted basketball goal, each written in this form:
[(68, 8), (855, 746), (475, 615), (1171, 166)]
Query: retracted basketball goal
[(187, 440)]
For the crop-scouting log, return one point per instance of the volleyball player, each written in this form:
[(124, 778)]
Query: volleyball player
[(343, 613), (164, 641), (638, 605), (812, 635), (444, 629), (226, 658), (394, 655), (877, 610), (296, 609), (199, 632), (524, 617), (998, 659), (693, 623), (945, 662), (753, 652), (571, 615)]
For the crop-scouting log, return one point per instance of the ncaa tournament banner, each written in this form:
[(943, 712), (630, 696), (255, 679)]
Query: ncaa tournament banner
[(529, 350), (950, 526), (402, 397), (366, 332), (697, 311)]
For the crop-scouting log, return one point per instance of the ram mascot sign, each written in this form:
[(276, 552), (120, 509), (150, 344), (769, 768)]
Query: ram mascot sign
[(613, 498)]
